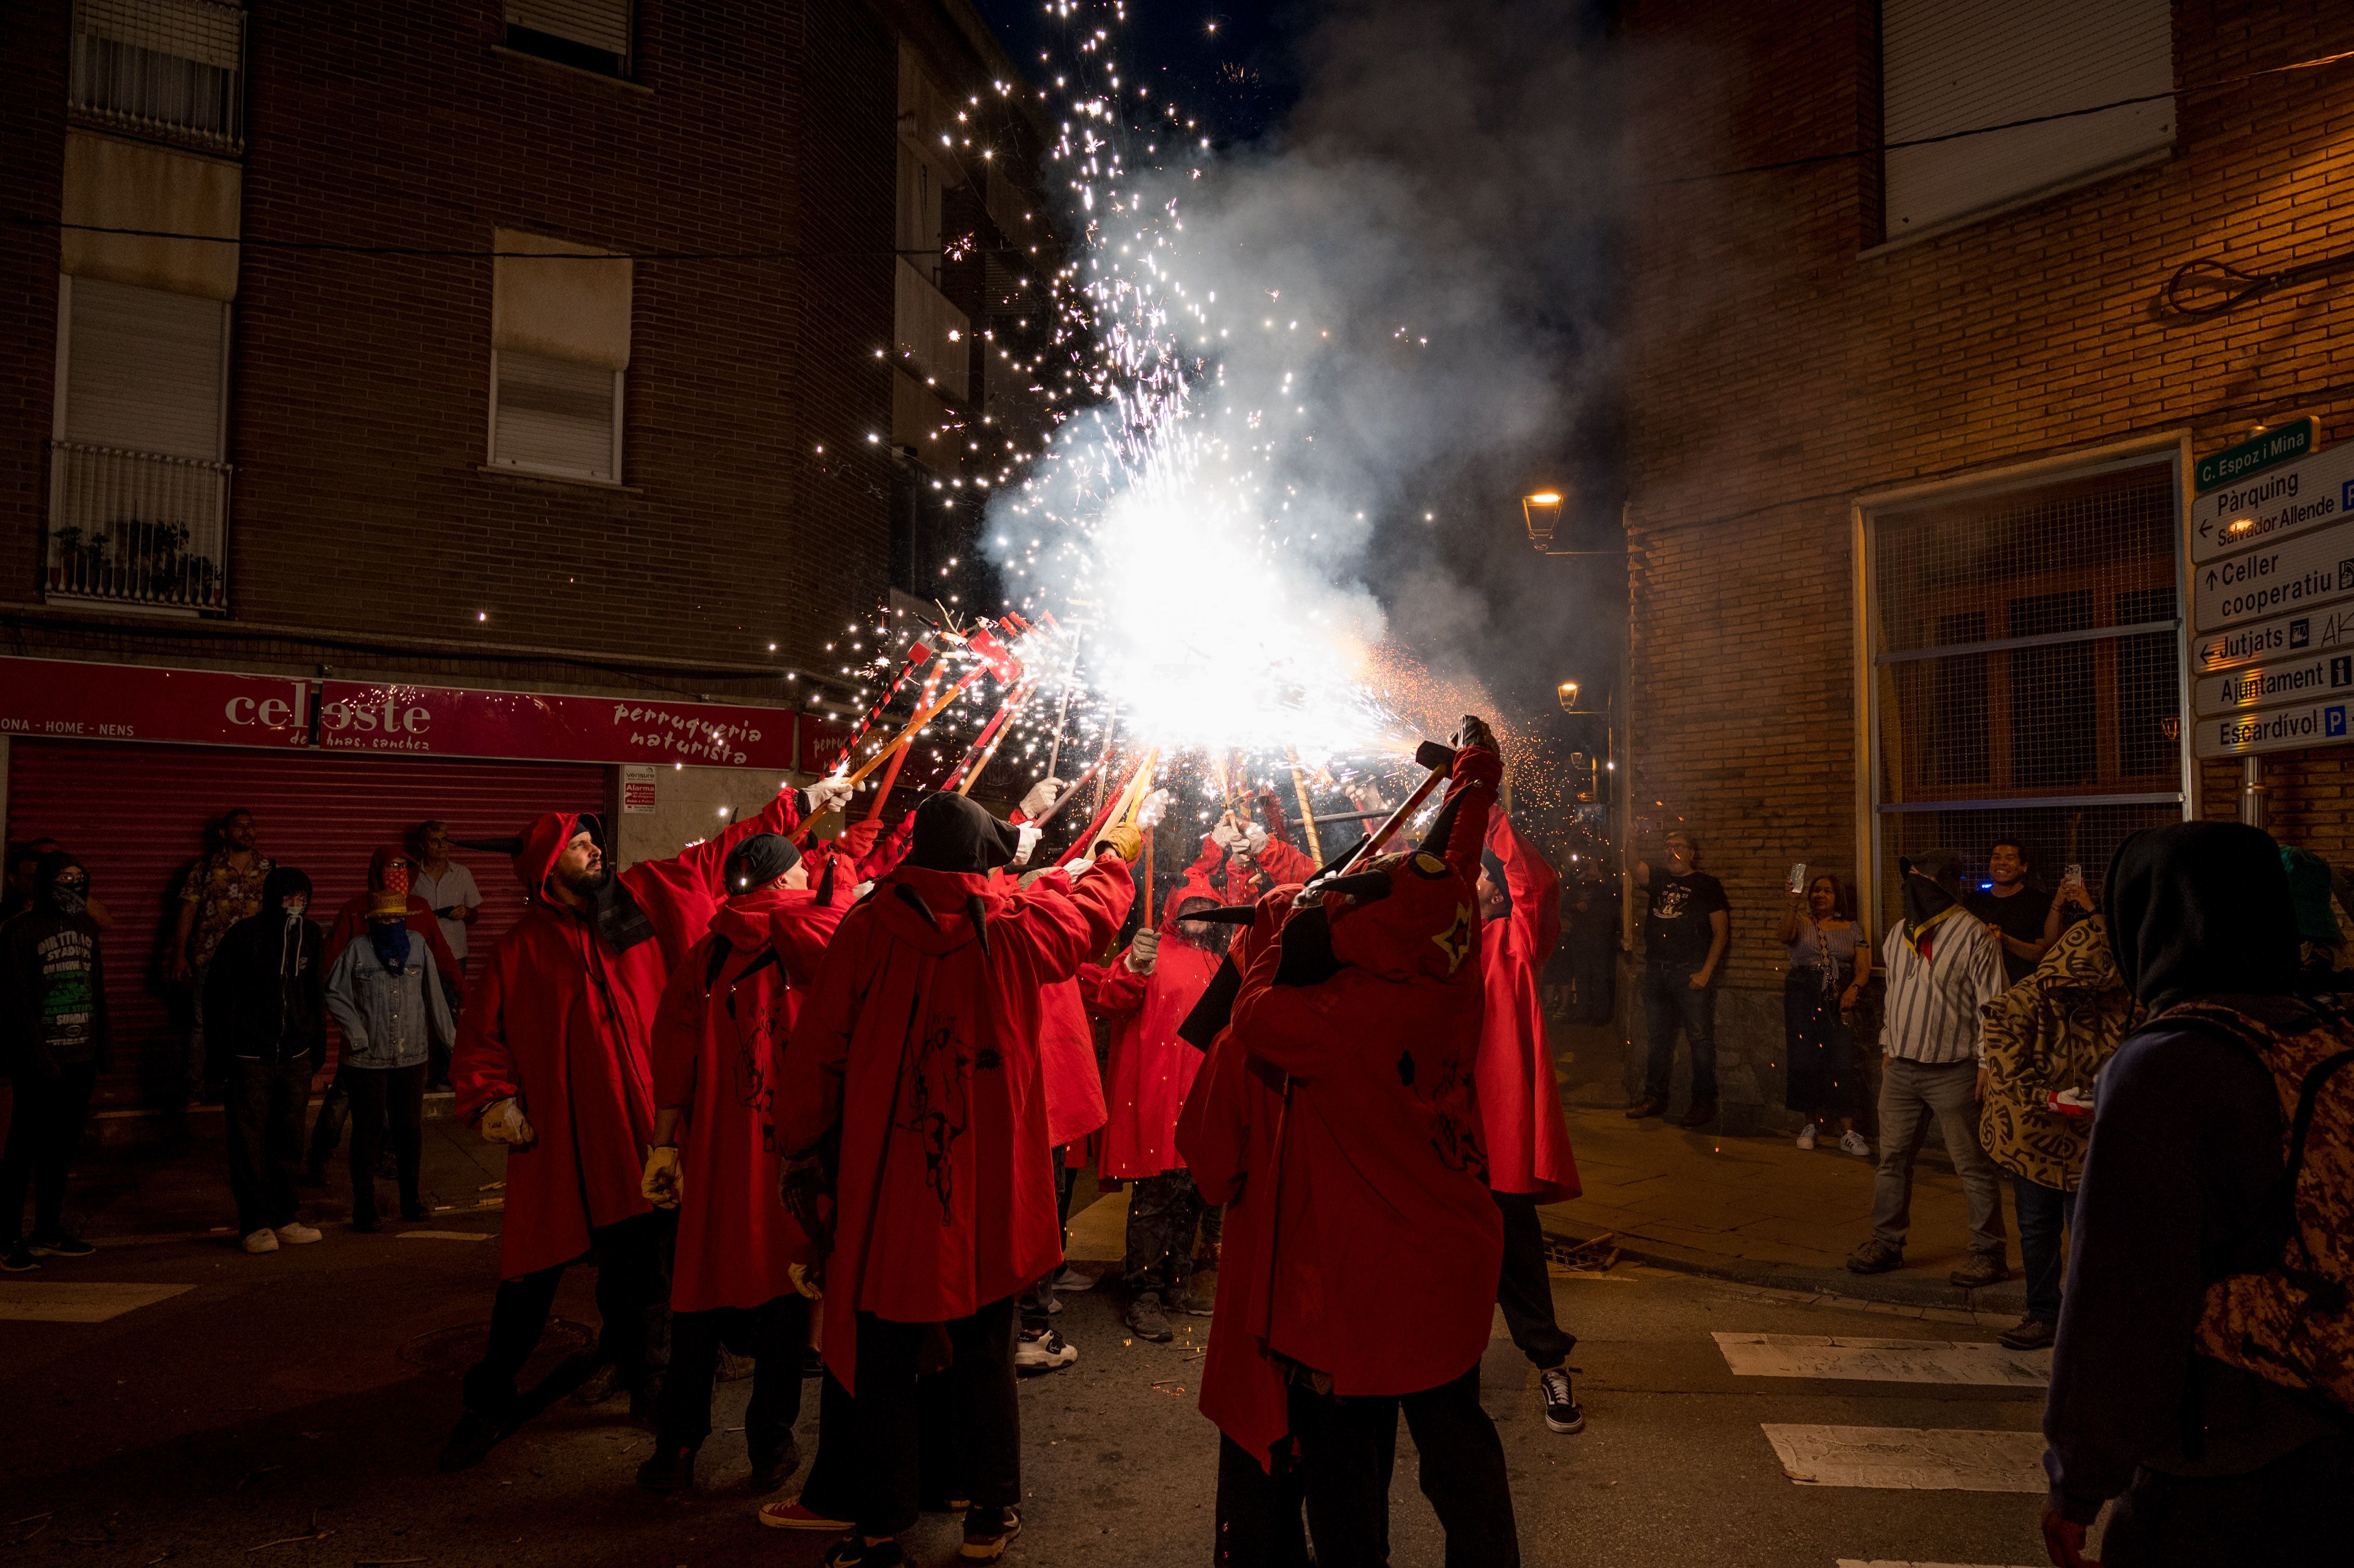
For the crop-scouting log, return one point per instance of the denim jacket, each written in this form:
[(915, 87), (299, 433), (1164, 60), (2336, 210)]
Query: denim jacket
[(389, 1020)]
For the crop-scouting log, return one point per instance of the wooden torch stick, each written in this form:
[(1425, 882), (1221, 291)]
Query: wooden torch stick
[(1004, 726), (906, 737), (1307, 812)]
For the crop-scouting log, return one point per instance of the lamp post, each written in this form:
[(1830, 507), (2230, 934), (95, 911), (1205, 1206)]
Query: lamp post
[(1541, 513)]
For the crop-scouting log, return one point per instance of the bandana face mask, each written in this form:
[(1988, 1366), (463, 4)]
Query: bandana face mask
[(71, 892)]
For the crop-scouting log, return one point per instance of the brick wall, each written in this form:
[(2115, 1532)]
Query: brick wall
[(1774, 371)]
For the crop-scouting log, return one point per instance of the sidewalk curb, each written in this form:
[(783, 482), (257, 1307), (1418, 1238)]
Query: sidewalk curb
[(1903, 1288)]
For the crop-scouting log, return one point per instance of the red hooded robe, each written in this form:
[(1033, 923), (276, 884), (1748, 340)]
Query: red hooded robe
[(562, 1020), (1519, 1099), (725, 1018), (1150, 1069), (922, 1048), (1373, 1157)]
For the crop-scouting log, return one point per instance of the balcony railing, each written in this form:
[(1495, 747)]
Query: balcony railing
[(171, 70), (137, 528)]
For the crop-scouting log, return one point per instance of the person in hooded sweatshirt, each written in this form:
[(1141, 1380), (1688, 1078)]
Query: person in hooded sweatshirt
[(1521, 1123), (1336, 1117), (554, 1061), (2208, 1462), (910, 1093), (724, 1016), (266, 1019), (55, 1037), (385, 992), (1148, 989)]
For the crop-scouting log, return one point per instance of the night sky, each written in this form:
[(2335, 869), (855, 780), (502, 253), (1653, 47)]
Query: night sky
[(1238, 77)]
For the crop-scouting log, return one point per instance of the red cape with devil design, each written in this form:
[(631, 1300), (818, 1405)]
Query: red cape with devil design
[(1520, 1100), (1150, 1070), (1371, 1156), (725, 1019), (561, 1019), (923, 1049)]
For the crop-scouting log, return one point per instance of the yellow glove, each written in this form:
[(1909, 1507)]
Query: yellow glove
[(504, 1123), (1122, 841), (662, 1182)]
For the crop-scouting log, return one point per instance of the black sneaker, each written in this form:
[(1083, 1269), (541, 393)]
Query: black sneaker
[(60, 1245), (1145, 1319), (672, 1469), (988, 1531), (19, 1259), (853, 1552), (599, 1385), (771, 1471), (1562, 1411), (475, 1436)]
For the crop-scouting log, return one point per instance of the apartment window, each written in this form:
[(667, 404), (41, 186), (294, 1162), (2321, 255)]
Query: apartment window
[(593, 35), (554, 417), (1950, 65), (171, 70), (138, 493), (2025, 654)]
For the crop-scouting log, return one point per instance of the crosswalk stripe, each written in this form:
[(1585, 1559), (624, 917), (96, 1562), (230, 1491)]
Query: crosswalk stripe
[(1884, 1360), (1908, 1459), (49, 1302)]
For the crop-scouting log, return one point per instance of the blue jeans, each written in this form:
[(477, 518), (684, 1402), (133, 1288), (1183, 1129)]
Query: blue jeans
[(2043, 1213), (1669, 999)]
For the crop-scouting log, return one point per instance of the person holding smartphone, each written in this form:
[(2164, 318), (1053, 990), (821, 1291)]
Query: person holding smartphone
[(2013, 908)]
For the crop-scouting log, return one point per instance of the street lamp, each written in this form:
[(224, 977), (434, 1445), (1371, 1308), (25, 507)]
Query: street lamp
[(1541, 513), (1567, 693)]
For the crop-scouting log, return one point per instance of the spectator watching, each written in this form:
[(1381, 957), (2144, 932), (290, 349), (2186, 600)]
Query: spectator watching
[(24, 861), (1685, 929), (221, 889), (1830, 958), (2016, 911), (265, 994), (385, 991), (54, 1026)]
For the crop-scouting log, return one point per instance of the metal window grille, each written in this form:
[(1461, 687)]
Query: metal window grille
[(170, 71), (137, 527), (2006, 704)]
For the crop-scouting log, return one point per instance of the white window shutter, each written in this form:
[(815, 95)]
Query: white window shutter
[(599, 24), (1952, 66), (556, 416), (144, 370)]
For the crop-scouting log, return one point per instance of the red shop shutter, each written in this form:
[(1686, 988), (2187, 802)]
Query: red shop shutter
[(136, 815)]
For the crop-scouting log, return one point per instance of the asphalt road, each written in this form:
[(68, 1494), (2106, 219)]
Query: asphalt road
[(286, 1409)]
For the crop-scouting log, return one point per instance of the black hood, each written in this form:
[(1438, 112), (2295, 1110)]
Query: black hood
[(283, 883), (2196, 909), (758, 861), (955, 834)]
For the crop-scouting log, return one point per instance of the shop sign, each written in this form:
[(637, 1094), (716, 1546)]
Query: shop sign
[(2280, 729), (2302, 573), (2284, 442), (69, 699), (638, 789), (823, 743), (448, 721), (2267, 508), (2275, 685)]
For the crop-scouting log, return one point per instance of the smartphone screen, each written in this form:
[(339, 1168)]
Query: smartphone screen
[(1799, 878)]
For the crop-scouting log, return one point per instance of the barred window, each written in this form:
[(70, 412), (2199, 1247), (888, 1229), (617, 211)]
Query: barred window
[(2026, 651), (170, 71)]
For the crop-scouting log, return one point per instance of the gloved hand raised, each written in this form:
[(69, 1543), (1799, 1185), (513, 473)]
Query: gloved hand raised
[(662, 1181), (1152, 810), (1254, 840), (1144, 952), (829, 795), (1122, 841), (1042, 797), (1225, 835), (1030, 835), (504, 1123)]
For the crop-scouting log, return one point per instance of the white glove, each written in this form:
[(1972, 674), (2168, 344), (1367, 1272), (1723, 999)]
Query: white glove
[(661, 1183), (504, 1123), (1149, 810), (1144, 952), (1255, 838), (861, 891), (1030, 835), (1042, 797), (827, 795), (1224, 836)]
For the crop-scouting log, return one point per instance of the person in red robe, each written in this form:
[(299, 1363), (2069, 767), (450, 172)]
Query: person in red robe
[(1337, 1115), (910, 1092), (1256, 860), (1527, 1136), (553, 1061), (1146, 991), (724, 1016)]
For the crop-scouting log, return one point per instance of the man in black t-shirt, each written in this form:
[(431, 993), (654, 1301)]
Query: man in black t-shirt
[(1685, 927), (2016, 909)]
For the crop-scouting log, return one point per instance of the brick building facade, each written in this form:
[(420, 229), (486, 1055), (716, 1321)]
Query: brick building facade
[(357, 429), (1910, 428)]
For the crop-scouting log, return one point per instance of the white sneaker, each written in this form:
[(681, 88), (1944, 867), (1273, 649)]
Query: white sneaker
[(1807, 1135), (296, 1232), (1048, 1352), (1851, 1142), (262, 1240)]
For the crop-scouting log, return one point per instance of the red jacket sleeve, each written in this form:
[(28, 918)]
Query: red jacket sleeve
[(481, 1068), (1062, 928), (1204, 869), (1476, 774), (1214, 1126), (1535, 888), (1119, 989), (678, 1031), (1283, 864), (890, 851), (701, 866), (1286, 1024)]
